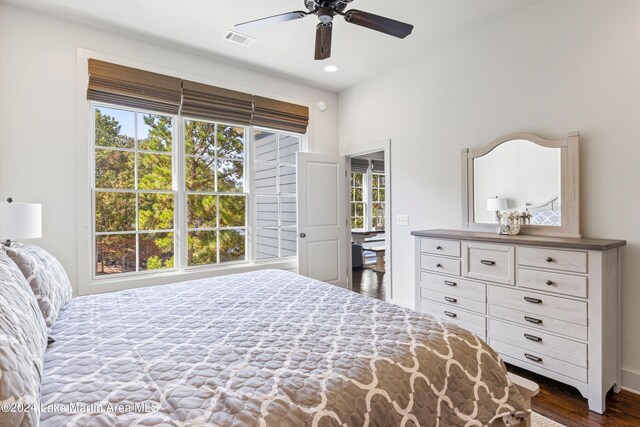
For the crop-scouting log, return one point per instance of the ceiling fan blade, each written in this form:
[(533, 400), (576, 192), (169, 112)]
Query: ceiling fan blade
[(250, 25), (323, 40), (378, 23)]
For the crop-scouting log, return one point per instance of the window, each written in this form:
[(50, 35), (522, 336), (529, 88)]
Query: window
[(358, 199), (157, 177), (377, 195), (215, 192), (274, 186), (134, 197)]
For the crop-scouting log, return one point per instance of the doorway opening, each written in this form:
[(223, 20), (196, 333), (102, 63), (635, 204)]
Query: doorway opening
[(368, 189)]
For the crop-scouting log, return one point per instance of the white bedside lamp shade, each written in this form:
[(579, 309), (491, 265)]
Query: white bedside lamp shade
[(496, 203), (20, 221)]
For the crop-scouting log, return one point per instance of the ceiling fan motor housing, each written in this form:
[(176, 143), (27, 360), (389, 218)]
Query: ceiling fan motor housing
[(325, 15)]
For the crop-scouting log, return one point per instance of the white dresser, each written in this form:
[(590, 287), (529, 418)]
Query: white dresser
[(546, 304)]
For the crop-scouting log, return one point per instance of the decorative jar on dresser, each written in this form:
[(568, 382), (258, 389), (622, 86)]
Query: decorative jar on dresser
[(546, 304)]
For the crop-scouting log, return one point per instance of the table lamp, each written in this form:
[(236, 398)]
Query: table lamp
[(497, 204), (20, 221)]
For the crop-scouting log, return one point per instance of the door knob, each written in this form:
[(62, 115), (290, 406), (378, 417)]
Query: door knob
[(303, 235)]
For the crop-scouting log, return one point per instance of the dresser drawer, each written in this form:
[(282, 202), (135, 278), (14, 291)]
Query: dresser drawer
[(456, 301), (539, 322), (553, 259), (539, 342), (454, 285), (440, 247), (472, 322), (546, 362), (549, 281), (440, 265), (490, 262), (539, 304)]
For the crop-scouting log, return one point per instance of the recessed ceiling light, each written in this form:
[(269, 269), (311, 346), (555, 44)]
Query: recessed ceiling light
[(331, 68)]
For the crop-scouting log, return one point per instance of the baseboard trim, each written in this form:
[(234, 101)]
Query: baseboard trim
[(631, 381)]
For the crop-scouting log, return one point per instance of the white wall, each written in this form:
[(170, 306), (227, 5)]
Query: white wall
[(555, 67), (44, 120)]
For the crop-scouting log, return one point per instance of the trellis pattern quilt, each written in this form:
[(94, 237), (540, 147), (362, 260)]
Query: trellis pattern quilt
[(269, 348)]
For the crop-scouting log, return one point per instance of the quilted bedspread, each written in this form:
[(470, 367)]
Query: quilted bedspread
[(269, 348)]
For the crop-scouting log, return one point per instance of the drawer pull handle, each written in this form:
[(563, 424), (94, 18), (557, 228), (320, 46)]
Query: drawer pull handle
[(439, 248), (449, 283), (549, 259), (533, 300), (485, 262), (532, 338), (532, 320), (549, 283), (449, 299), (532, 357), (450, 314), (439, 265)]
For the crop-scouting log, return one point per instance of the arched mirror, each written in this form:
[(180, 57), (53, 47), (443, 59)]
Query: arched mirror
[(523, 173)]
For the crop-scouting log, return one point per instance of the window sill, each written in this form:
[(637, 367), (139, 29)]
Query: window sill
[(102, 285)]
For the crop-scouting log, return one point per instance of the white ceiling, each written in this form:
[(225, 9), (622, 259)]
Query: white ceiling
[(287, 49)]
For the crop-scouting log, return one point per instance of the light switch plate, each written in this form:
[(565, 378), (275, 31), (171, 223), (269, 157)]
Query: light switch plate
[(402, 219)]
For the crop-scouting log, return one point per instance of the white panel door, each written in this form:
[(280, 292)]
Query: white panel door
[(322, 220)]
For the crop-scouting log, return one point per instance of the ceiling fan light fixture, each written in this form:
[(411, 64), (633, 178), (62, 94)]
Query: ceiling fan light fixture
[(330, 68)]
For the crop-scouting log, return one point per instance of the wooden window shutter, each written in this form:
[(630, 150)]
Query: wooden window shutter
[(130, 87), (280, 115), (213, 103)]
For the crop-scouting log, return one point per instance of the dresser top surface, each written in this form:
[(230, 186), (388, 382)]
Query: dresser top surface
[(560, 242)]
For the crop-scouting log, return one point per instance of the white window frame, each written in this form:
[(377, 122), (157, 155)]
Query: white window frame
[(135, 190), (180, 193), (253, 195), (365, 198)]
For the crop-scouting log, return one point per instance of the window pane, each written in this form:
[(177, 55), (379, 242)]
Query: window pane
[(266, 146), (266, 211), (230, 175), (289, 146), (264, 179), (358, 222), (288, 206), (289, 242), (357, 195), (156, 251), (155, 211), (199, 138), (374, 180), (232, 245), (154, 132), (115, 254), (381, 196), (267, 243), (232, 211), (357, 180), (201, 211), (202, 249), (230, 142), (381, 181), (115, 169), (114, 128), (155, 172), (115, 212), (200, 174), (375, 195), (287, 179)]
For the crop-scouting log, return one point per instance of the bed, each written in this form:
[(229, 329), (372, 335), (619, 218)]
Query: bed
[(268, 348)]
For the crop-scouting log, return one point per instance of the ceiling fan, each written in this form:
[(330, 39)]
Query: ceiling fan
[(326, 10)]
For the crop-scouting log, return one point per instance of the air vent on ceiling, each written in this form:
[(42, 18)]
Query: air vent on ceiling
[(235, 37)]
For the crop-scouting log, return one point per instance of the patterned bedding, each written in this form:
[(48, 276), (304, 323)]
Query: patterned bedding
[(269, 348)]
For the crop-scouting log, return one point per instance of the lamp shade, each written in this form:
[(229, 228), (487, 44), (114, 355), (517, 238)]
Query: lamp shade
[(19, 221), (496, 203)]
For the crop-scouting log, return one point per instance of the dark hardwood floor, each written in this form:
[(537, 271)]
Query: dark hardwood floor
[(565, 405), (369, 283)]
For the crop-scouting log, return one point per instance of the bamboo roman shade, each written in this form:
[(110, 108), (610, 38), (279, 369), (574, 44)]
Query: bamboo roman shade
[(116, 84), (130, 87), (214, 103), (359, 165), (280, 115)]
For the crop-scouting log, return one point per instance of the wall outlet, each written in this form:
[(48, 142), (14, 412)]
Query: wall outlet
[(402, 219)]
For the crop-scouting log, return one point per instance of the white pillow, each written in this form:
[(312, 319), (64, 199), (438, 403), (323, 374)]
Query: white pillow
[(23, 339), (46, 276)]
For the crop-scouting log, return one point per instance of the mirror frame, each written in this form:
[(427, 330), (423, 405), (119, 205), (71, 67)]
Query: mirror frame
[(570, 185)]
